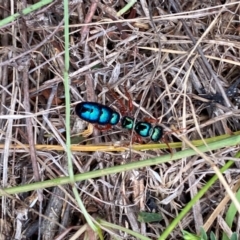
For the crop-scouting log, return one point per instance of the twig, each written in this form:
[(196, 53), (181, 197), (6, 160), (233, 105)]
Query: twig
[(177, 8), (27, 105)]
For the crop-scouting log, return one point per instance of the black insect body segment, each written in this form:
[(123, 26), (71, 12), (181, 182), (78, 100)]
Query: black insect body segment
[(127, 122), (143, 129), (156, 133), (97, 113)]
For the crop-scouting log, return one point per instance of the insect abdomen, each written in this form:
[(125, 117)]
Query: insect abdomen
[(97, 113)]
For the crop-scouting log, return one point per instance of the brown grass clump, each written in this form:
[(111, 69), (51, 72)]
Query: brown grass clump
[(178, 60)]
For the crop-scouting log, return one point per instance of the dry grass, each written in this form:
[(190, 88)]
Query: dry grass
[(179, 60)]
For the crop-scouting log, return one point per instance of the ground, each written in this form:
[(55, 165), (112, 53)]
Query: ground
[(173, 64)]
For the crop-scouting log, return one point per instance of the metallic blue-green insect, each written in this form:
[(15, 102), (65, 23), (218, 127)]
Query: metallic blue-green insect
[(97, 113)]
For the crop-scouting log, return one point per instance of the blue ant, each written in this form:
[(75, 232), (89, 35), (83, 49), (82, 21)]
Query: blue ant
[(97, 113)]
